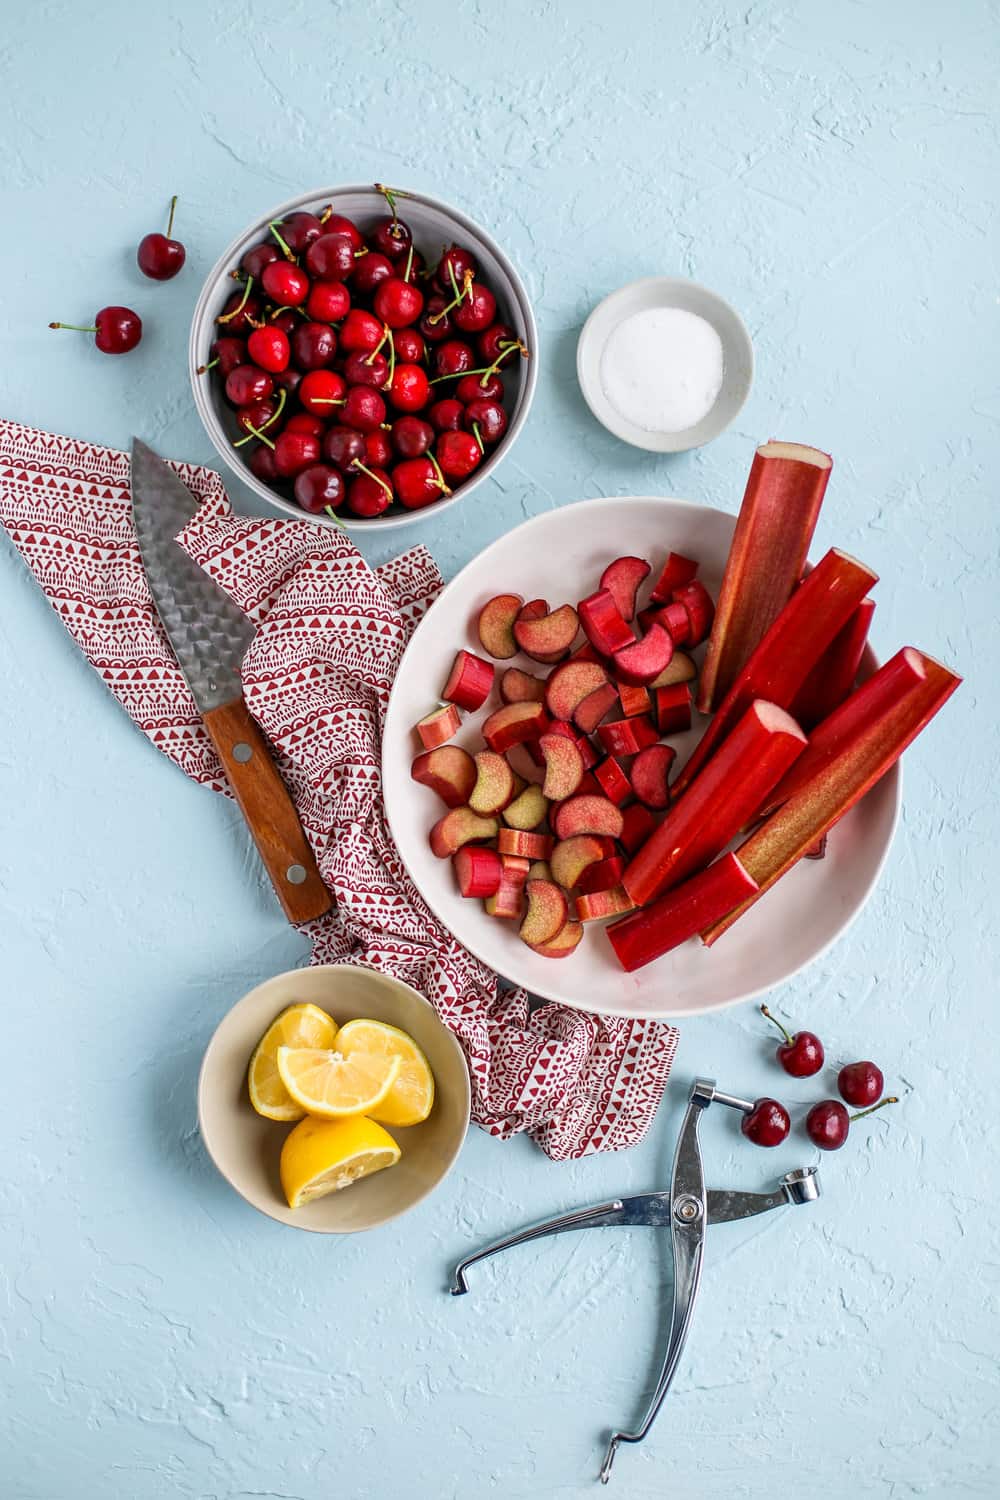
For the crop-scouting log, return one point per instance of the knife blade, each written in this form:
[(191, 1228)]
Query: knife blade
[(210, 635)]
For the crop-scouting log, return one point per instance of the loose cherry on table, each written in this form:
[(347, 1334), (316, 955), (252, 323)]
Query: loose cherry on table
[(860, 1083), (116, 330), (767, 1124), (800, 1055), (828, 1123), (158, 256)]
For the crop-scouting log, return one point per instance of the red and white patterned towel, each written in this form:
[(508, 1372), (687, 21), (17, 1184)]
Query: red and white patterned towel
[(317, 678)]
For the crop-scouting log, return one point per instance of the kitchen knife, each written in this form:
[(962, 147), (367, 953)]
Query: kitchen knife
[(210, 636)]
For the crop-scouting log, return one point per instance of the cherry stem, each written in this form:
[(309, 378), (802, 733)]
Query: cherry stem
[(228, 317), (372, 475), (459, 294), (255, 432), (326, 213), (210, 366), (273, 227), (76, 327), (889, 1099), (765, 1012), (409, 264), (392, 357), (328, 400), (390, 195), (385, 334), (440, 477), (170, 221), (508, 346), (476, 435), (333, 514)]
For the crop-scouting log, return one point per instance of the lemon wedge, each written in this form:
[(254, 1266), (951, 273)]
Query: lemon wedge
[(412, 1095), (323, 1156), (298, 1026), (327, 1084)]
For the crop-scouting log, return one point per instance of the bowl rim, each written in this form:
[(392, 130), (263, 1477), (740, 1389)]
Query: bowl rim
[(202, 1090), (213, 427), (587, 364)]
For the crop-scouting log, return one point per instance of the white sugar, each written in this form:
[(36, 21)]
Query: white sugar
[(662, 369)]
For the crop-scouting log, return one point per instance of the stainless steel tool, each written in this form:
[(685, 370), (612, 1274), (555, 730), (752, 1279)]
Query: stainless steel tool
[(687, 1209), (210, 635)]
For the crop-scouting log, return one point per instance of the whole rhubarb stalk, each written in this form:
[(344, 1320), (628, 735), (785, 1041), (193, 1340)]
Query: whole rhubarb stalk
[(747, 766), (644, 935), (848, 754), (766, 559), (832, 678), (821, 605)]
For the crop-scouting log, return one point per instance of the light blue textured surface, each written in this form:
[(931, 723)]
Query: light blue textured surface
[(832, 169)]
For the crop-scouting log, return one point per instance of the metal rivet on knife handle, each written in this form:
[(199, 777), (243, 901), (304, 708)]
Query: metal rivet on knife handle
[(242, 752)]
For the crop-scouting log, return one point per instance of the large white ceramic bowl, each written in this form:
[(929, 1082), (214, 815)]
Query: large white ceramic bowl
[(560, 556), (434, 225)]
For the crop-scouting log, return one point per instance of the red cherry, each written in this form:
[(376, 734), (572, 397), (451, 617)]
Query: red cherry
[(418, 482), (224, 355), (159, 257), (458, 453), (498, 341), (360, 332), (369, 493), (476, 310), (446, 416), (378, 449), (299, 231), (319, 488), (288, 380), (828, 1123), (337, 224), (257, 415), (330, 258), (241, 311), (314, 345), (343, 446), (366, 369), (287, 320), (363, 409), (294, 451), (322, 392), (409, 345), (328, 301), (452, 268), (269, 348), (116, 330), (370, 271), (284, 283), (412, 436), (453, 357), (398, 303), (246, 383), (304, 421), (800, 1055), (767, 1124), (436, 323), (392, 237), (257, 257), (261, 462), (485, 387), (860, 1083), (488, 418), (409, 389)]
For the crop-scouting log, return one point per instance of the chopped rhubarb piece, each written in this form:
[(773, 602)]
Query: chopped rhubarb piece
[(609, 846), (725, 796), (496, 625), (528, 809), (696, 599), (852, 756), (650, 774), (547, 912), (832, 678), (627, 736), (470, 681), (766, 559), (520, 687), (817, 850), (494, 786), (589, 786), (612, 780), (438, 727), (677, 571), (570, 684), (587, 814), (563, 727), (603, 876), (449, 771), (622, 578), (526, 845), (597, 905), (681, 669), (458, 827), (643, 660), (592, 710), (637, 824), (516, 867), (821, 605), (540, 869), (634, 699), (571, 856), (603, 624), (514, 724), (673, 708), (549, 637), (563, 766), (676, 620), (563, 944), (585, 652), (508, 898), (477, 871), (681, 914), (588, 754)]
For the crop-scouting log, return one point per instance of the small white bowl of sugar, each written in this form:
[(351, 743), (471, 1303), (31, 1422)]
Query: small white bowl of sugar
[(665, 364)]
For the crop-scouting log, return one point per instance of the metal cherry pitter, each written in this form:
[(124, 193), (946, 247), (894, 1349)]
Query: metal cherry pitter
[(687, 1209)]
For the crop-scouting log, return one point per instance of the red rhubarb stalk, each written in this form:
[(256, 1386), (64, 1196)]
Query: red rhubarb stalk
[(818, 609), (729, 791), (832, 678), (851, 758), (766, 559), (644, 935)]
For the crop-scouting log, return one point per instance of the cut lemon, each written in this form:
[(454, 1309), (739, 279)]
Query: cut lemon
[(412, 1095), (328, 1084), (298, 1026), (323, 1156)]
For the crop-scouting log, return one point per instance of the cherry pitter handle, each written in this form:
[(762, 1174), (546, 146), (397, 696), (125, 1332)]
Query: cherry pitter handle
[(686, 1210)]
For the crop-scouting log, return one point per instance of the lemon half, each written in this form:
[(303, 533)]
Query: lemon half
[(298, 1026), (411, 1097), (326, 1083), (323, 1156)]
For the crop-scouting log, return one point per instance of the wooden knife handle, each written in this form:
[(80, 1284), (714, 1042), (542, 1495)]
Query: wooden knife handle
[(269, 811)]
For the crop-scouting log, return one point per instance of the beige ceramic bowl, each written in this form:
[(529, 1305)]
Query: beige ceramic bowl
[(246, 1148)]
